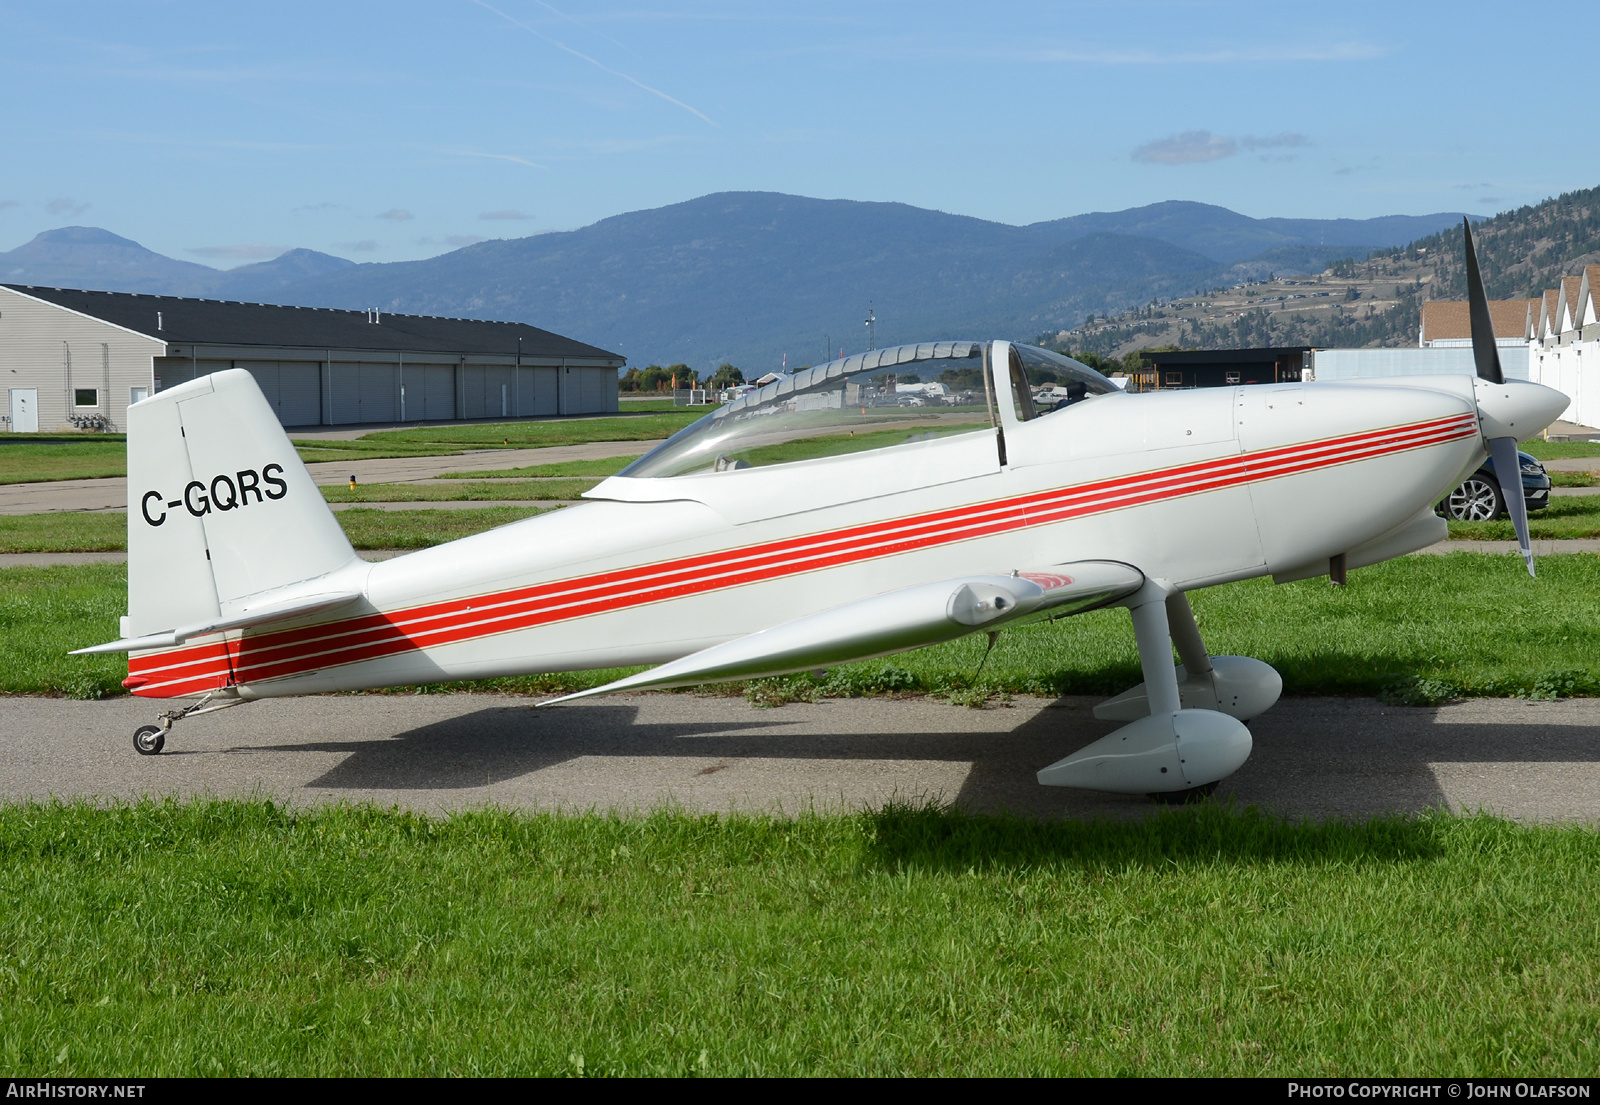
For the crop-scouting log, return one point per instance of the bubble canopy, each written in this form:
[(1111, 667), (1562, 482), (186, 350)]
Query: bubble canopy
[(881, 399)]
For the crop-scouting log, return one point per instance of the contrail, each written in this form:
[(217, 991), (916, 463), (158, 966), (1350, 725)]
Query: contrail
[(604, 68), (584, 26)]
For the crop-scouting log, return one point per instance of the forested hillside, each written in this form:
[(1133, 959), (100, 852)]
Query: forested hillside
[(1375, 301)]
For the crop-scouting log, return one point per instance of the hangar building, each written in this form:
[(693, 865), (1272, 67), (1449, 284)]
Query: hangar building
[(76, 359)]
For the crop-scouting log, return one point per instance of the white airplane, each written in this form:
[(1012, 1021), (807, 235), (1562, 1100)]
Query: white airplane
[(799, 527)]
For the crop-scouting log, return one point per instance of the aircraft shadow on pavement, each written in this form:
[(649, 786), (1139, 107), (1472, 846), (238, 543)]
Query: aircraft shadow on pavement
[(1313, 758)]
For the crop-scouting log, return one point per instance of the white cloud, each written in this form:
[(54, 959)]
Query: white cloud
[(1186, 148), (9, 203), (396, 215), (365, 245), (66, 205)]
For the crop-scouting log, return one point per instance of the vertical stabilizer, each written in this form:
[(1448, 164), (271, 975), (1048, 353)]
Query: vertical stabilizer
[(219, 505)]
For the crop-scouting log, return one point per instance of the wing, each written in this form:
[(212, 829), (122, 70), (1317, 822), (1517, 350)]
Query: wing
[(894, 622)]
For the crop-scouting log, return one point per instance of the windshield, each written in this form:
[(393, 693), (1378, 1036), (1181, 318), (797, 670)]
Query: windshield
[(1042, 381), (874, 400)]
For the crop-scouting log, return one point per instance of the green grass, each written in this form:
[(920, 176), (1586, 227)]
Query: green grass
[(644, 426), (241, 938), (433, 492), (421, 529), (1419, 630), (838, 444), (355, 450), (1560, 450), (107, 531), (1574, 479), (31, 458), (64, 531), (46, 613), (629, 406), (606, 466), (1565, 518)]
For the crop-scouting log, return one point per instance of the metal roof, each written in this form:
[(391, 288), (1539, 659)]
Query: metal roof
[(224, 322)]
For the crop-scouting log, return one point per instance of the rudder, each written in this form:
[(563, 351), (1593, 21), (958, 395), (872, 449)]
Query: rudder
[(220, 507)]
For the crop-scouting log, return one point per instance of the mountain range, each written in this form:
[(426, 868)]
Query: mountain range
[(752, 276)]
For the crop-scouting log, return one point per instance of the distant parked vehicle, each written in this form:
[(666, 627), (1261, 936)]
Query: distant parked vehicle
[(1480, 497)]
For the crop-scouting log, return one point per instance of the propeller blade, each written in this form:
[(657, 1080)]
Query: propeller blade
[(1484, 353), (1508, 469)]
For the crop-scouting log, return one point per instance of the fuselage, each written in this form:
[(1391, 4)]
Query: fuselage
[(1193, 487)]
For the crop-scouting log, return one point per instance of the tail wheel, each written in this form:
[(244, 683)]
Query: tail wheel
[(149, 740), (1478, 499)]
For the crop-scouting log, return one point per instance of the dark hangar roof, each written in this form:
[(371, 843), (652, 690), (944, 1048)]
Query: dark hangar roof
[(223, 322)]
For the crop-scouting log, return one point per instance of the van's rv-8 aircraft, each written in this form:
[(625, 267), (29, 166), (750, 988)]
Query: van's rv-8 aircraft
[(779, 534)]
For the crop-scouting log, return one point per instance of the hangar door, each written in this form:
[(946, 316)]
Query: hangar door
[(538, 395), (292, 387), (429, 393), (364, 391), (488, 391)]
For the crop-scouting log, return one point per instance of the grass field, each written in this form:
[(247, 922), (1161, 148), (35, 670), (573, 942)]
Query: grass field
[(64, 531), (458, 492), (643, 426), (107, 531), (1417, 630), (421, 529), (32, 458), (239, 938), (313, 452), (1560, 450), (1574, 479), (1568, 517), (606, 466)]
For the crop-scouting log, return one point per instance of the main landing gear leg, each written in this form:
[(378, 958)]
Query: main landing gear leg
[(149, 740), (1171, 753), (1239, 686)]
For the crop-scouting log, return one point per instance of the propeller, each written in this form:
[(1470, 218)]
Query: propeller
[(1507, 465)]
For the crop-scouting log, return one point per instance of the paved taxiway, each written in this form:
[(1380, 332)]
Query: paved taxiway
[(1314, 757)]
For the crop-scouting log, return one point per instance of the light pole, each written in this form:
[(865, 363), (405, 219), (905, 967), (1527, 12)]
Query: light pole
[(872, 329)]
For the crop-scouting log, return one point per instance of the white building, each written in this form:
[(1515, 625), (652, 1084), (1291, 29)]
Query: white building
[(76, 359), (1564, 344), (1444, 345)]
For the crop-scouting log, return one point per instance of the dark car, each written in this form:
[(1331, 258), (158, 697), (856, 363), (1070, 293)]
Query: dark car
[(1480, 498)]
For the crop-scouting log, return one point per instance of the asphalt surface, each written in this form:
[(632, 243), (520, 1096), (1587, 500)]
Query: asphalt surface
[(1314, 758)]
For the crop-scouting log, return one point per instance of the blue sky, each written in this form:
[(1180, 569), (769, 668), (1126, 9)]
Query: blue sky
[(226, 133)]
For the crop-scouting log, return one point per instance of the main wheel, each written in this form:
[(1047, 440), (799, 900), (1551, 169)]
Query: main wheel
[(1478, 499), (148, 740), (1184, 797)]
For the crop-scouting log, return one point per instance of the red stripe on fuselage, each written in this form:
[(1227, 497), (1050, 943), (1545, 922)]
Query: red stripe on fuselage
[(195, 669)]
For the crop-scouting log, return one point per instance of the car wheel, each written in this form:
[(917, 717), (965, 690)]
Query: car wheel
[(1478, 499)]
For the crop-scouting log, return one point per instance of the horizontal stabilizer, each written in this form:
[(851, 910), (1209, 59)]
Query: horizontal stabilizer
[(259, 615), (894, 622)]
